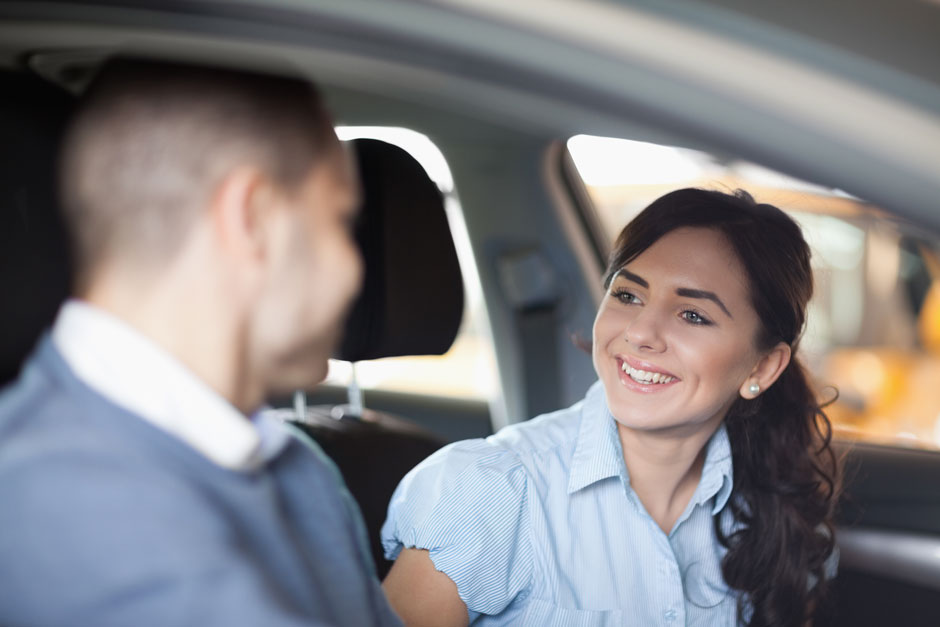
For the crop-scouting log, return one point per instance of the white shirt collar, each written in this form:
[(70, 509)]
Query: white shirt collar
[(121, 364)]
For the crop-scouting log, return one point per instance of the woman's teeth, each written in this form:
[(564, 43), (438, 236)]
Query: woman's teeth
[(647, 378)]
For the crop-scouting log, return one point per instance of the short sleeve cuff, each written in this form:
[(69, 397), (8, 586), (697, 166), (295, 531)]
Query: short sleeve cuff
[(466, 505)]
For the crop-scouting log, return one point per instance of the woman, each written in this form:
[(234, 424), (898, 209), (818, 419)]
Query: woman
[(694, 484)]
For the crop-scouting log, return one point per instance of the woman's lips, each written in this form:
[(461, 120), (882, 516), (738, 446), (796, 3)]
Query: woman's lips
[(642, 376)]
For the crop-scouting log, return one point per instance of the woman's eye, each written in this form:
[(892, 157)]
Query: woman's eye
[(694, 317), (626, 297)]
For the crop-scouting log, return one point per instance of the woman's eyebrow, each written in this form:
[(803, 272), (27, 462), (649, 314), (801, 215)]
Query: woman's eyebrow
[(688, 292), (693, 293), (632, 277)]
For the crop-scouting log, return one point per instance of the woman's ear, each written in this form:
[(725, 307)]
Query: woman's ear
[(767, 371)]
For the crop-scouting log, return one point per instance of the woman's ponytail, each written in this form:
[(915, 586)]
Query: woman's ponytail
[(784, 494)]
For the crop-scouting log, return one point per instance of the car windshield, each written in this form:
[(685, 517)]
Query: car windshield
[(872, 339)]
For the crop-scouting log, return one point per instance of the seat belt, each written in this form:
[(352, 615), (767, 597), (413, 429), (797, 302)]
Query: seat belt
[(530, 285)]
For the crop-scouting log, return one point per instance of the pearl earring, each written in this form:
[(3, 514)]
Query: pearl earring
[(754, 389)]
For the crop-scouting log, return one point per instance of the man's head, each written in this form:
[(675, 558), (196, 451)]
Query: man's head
[(231, 182)]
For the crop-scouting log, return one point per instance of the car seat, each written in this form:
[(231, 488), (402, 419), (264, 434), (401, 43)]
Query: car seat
[(34, 260)]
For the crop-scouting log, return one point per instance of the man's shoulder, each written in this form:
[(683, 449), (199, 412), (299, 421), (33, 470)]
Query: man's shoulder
[(46, 415), (87, 509), (67, 452), (36, 412)]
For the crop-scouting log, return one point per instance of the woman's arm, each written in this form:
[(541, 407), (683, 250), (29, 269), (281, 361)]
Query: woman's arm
[(422, 595)]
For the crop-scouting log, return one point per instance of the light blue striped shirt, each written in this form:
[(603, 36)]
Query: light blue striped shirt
[(538, 525)]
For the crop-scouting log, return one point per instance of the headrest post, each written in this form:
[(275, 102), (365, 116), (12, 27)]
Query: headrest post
[(300, 406), (354, 395)]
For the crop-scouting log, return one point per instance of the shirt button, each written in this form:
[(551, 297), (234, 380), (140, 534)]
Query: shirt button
[(670, 615)]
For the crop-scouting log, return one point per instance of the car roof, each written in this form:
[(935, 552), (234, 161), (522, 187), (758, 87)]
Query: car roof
[(846, 95)]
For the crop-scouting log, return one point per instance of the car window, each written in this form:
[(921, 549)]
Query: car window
[(873, 331), (468, 369)]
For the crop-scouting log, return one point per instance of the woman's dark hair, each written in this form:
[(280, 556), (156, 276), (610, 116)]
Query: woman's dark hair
[(786, 475)]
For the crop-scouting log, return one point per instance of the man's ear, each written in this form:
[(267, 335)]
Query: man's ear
[(767, 371), (239, 208)]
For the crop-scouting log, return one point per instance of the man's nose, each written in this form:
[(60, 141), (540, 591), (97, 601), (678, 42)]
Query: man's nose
[(644, 330)]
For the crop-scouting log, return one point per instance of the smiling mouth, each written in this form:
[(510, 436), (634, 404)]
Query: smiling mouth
[(644, 377)]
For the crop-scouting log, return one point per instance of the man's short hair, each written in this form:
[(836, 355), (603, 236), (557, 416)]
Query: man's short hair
[(151, 141)]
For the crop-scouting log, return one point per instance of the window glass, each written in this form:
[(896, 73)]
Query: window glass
[(468, 369), (873, 331)]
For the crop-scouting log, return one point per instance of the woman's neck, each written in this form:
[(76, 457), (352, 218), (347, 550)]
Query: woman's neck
[(664, 470)]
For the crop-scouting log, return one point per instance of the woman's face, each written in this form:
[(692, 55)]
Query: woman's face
[(674, 335)]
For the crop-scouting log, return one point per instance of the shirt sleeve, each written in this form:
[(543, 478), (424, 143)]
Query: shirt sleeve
[(467, 505)]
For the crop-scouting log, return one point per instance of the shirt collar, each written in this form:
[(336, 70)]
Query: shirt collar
[(598, 454), (130, 370), (272, 435), (717, 472)]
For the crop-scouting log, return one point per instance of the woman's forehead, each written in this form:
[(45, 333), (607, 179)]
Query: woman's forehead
[(690, 247), (700, 257)]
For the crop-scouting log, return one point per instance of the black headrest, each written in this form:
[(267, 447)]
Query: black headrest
[(412, 295), (34, 267)]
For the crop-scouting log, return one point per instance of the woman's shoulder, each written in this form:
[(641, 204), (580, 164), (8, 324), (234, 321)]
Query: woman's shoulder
[(513, 448), (549, 433), (498, 470), (466, 460)]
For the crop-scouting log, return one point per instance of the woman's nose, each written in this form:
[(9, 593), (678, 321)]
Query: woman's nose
[(644, 331)]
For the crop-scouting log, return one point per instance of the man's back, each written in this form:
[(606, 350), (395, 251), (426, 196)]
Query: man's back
[(209, 216), (109, 520)]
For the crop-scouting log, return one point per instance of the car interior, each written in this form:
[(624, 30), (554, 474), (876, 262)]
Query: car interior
[(515, 238)]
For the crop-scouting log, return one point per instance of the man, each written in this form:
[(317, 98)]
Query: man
[(210, 217)]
